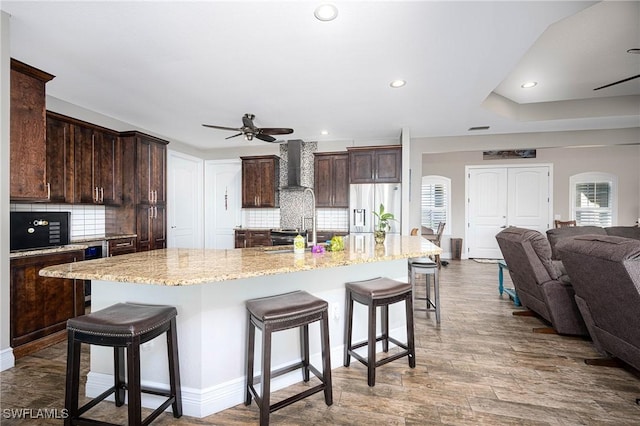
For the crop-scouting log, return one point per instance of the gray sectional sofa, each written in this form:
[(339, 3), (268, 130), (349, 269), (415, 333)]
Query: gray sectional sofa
[(556, 234), (538, 280), (605, 274)]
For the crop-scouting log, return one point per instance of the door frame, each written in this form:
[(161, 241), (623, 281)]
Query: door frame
[(467, 168)]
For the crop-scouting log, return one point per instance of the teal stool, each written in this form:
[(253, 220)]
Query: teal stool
[(502, 265)]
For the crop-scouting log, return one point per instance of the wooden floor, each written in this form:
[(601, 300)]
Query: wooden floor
[(480, 366)]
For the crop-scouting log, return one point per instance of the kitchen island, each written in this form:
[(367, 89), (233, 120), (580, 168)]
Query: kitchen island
[(209, 288)]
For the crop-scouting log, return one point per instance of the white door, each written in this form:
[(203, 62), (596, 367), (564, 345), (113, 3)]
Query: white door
[(223, 192), (501, 197), (184, 202)]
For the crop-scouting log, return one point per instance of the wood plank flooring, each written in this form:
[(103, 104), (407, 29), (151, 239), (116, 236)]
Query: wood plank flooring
[(481, 366)]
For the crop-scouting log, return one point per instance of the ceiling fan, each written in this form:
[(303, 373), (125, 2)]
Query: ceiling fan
[(632, 51), (249, 130)]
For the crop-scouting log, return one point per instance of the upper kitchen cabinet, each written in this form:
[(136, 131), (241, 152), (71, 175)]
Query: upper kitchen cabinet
[(375, 164), (28, 150), (151, 165), (59, 159), (97, 165), (260, 179), (331, 182)]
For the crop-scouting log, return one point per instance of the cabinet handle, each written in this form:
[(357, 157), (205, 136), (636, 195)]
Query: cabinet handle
[(95, 194), (150, 212), (48, 191), (155, 212), (150, 196), (123, 244), (101, 194)]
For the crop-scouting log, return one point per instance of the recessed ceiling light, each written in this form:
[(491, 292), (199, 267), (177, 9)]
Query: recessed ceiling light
[(326, 12), (397, 83), (529, 84), (324, 132)]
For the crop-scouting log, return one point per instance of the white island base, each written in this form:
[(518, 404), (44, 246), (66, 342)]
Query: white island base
[(212, 328)]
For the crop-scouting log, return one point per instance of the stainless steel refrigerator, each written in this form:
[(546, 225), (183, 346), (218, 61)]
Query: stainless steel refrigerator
[(366, 198)]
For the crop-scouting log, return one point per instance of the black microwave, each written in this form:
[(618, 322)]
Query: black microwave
[(31, 230)]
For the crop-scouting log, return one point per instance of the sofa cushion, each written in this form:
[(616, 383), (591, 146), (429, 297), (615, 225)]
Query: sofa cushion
[(556, 234), (624, 231)]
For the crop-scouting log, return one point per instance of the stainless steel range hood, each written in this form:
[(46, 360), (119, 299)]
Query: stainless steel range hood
[(294, 166)]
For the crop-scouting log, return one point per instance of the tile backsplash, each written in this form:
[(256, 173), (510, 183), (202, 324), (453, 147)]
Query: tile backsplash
[(328, 219), (87, 221)]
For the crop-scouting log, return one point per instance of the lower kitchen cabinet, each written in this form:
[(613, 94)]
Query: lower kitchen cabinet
[(41, 306), (151, 227), (252, 238), (122, 246)]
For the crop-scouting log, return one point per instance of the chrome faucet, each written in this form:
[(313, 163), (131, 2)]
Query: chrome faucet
[(314, 235)]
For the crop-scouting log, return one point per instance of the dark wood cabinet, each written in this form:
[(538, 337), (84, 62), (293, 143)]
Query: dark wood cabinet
[(151, 165), (260, 181), (246, 238), (121, 246), (97, 166), (41, 306), (324, 236), (375, 164), (28, 145), (60, 165), (144, 190), (331, 179)]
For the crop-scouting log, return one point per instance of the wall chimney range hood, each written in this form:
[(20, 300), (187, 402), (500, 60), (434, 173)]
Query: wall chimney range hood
[(294, 166)]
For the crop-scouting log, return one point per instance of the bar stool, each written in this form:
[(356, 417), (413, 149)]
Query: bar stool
[(426, 266), (376, 292), (282, 312), (123, 325)]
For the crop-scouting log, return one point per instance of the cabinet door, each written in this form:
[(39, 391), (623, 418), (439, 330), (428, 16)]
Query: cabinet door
[(240, 239), (122, 246), (158, 154), (85, 187), (250, 183), (341, 181), (323, 181), (361, 166), (107, 166), (267, 193), (28, 150), (158, 227), (388, 165), (42, 305), (143, 156), (59, 161), (144, 214)]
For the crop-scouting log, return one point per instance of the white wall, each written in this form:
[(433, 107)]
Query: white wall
[(621, 160), (6, 354)]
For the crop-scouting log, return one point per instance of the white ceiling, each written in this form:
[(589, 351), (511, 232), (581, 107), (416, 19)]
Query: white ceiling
[(167, 67)]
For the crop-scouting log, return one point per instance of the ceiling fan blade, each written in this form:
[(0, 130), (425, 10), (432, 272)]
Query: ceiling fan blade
[(275, 131), (239, 134), (222, 128), (617, 82), (265, 138)]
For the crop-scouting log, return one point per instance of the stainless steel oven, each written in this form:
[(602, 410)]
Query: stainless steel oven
[(284, 237)]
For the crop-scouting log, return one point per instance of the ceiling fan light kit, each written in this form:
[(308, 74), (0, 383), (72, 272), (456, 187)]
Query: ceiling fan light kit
[(250, 131)]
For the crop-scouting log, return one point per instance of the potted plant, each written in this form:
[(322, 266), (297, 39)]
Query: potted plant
[(383, 225)]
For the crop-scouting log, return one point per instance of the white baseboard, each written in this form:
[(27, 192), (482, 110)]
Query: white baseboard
[(7, 360), (204, 402)]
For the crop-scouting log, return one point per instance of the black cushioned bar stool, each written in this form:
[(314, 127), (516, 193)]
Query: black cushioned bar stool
[(123, 325), (380, 292), (426, 266), (282, 312)]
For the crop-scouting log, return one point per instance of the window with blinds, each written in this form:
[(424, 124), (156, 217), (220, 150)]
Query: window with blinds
[(593, 196), (436, 201)]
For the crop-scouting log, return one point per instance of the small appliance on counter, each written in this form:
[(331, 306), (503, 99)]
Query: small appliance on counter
[(33, 230)]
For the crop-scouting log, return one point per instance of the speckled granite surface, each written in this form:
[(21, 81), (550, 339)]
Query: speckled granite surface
[(40, 252), (178, 267)]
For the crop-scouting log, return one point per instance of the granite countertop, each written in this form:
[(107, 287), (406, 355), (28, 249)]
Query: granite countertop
[(49, 250), (179, 267), (102, 238)]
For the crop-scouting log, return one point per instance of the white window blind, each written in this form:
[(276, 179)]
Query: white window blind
[(593, 198), (435, 202)]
